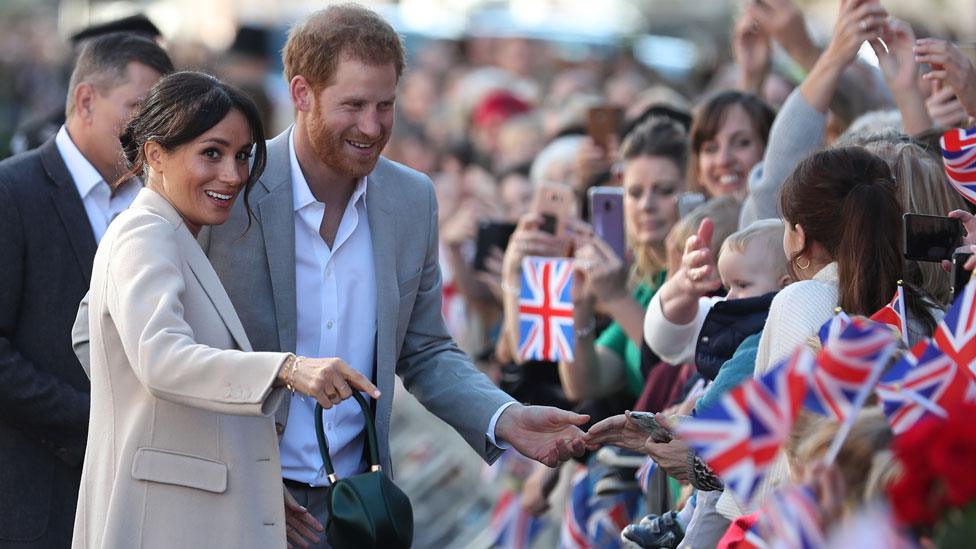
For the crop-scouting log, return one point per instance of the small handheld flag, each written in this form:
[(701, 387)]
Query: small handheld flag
[(923, 383), (845, 365), (959, 157), (740, 436), (546, 309), (893, 314), (956, 334)]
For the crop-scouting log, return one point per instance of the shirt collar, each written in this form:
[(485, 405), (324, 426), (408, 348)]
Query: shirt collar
[(301, 195), (85, 176)]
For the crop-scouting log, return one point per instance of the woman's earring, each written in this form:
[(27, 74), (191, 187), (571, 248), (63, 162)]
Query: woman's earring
[(803, 267)]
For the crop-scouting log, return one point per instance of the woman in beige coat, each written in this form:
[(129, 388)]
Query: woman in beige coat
[(182, 450)]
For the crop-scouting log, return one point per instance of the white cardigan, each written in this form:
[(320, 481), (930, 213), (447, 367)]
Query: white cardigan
[(797, 312)]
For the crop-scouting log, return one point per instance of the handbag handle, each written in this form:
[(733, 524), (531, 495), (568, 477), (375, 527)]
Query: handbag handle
[(370, 438)]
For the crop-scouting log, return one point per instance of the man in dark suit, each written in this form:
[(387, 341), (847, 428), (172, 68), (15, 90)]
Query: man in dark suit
[(55, 203)]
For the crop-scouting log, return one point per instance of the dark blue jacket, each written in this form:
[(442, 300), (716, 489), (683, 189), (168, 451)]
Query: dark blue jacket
[(47, 247), (728, 323)]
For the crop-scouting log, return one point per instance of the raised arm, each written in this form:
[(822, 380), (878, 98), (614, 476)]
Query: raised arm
[(897, 61)]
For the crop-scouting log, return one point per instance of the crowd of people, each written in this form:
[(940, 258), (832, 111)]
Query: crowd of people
[(754, 208)]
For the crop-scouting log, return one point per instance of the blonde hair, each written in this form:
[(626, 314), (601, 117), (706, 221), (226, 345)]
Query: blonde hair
[(768, 235), (869, 436)]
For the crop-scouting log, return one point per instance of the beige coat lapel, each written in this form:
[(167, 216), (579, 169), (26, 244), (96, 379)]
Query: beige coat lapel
[(198, 263)]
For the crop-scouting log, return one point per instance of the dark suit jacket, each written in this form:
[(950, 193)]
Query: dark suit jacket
[(46, 251)]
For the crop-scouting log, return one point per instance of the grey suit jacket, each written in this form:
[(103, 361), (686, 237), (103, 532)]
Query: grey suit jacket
[(257, 268)]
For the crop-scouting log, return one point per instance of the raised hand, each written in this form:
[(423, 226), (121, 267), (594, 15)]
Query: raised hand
[(896, 55), (601, 272), (951, 68), (328, 380), (857, 22), (698, 274), (752, 52), (529, 240), (783, 21), (543, 433), (945, 108)]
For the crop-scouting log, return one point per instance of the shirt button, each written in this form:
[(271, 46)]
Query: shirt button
[(329, 324), (328, 271)]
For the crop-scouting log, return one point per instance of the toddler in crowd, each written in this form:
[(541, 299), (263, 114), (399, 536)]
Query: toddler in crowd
[(751, 264)]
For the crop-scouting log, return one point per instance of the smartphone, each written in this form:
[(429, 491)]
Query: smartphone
[(960, 276), (603, 122), (648, 423), (607, 217), (491, 234), (931, 237), (556, 203), (687, 202)]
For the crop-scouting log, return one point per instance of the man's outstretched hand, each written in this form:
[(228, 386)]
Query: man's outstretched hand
[(543, 433)]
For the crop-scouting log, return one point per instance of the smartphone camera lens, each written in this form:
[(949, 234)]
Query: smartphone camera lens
[(607, 206)]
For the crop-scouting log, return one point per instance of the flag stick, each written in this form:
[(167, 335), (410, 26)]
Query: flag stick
[(859, 400)]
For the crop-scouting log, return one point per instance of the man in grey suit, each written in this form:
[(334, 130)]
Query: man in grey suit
[(341, 261)]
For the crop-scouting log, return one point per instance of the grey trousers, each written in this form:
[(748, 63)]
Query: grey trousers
[(313, 499)]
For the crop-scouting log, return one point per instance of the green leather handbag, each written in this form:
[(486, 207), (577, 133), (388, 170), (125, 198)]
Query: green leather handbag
[(368, 509)]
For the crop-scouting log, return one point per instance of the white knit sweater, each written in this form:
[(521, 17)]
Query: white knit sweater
[(797, 312)]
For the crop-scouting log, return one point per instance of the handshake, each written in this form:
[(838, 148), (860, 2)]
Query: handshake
[(550, 435)]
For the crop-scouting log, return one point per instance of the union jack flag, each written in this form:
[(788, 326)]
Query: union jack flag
[(956, 334), (845, 364), (739, 437), (833, 327), (959, 157), (546, 309), (595, 521), (924, 382), (511, 526), (893, 314), (791, 520)]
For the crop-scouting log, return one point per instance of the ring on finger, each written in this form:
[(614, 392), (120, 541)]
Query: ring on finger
[(863, 23)]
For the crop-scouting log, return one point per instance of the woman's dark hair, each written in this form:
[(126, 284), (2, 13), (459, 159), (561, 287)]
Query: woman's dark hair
[(180, 108), (710, 115), (846, 200)]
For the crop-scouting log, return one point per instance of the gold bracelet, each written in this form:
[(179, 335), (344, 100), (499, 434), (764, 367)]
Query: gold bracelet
[(293, 362)]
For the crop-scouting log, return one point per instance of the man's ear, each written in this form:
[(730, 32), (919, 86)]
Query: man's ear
[(302, 95), (84, 96)]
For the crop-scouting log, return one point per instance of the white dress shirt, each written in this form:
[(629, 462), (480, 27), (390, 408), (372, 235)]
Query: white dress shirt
[(336, 306), (336, 310), (96, 195)]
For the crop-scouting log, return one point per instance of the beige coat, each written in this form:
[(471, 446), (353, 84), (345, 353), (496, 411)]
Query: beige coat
[(182, 450)]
